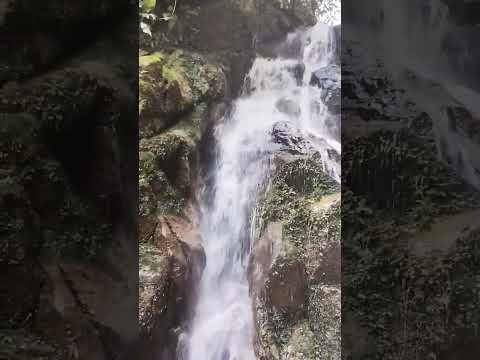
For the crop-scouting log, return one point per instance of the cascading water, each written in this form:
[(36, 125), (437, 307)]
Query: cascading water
[(275, 92)]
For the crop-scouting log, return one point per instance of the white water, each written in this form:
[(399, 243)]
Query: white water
[(223, 324)]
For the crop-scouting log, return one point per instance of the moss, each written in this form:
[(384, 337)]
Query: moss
[(152, 261), (148, 5), (296, 188), (164, 173), (297, 184), (156, 57), (186, 78), (324, 319), (304, 344), (301, 198)]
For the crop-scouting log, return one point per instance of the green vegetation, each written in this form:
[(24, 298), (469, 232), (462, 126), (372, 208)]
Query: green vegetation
[(301, 198)]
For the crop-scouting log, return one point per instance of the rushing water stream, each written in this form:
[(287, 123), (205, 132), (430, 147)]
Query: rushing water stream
[(223, 324)]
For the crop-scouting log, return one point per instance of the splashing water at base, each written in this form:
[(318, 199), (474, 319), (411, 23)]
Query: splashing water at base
[(223, 324)]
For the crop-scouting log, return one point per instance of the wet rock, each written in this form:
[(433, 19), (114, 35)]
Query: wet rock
[(333, 125), (166, 170), (302, 242), (231, 32), (291, 139), (170, 266), (328, 79), (264, 251), (286, 287)]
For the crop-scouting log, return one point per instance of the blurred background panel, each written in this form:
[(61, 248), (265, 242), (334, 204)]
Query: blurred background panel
[(68, 179), (411, 179)]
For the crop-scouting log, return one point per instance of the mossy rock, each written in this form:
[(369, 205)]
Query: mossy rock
[(306, 202), (324, 320), (165, 173), (297, 179), (148, 5), (303, 344), (298, 187), (172, 84)]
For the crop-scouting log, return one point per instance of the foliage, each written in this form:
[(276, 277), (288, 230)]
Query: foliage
[(329, 11), (148, 19)]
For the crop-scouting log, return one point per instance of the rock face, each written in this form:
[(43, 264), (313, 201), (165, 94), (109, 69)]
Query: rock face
[(295, 265), (68, 230), (172, 85), (328, 79), (170, 265)]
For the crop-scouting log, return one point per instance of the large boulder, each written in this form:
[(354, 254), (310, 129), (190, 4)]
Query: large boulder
[(295, 265), (171, 263), (172, 84)]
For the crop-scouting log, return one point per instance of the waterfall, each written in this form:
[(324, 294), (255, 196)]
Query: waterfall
[(276, 91)]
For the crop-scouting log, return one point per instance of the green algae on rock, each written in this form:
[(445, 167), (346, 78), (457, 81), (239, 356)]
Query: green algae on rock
[(304, 276), (172, 85)]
